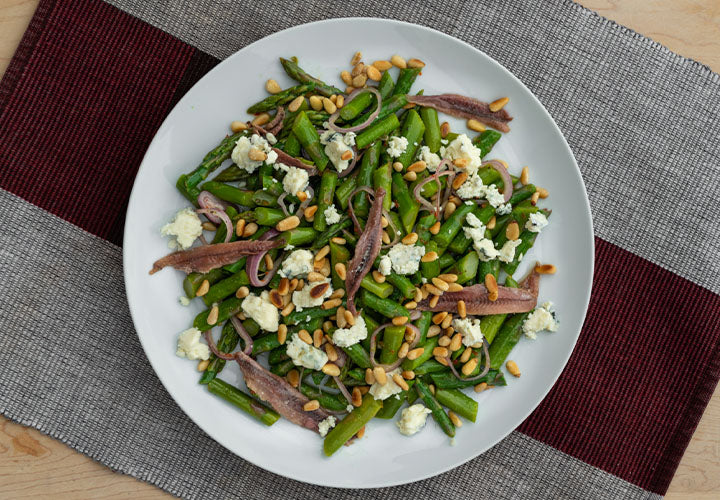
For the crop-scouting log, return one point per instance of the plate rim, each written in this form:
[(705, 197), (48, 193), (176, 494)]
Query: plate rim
[(587, 293)]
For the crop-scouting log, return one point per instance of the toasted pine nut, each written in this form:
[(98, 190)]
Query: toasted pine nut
[(284, 286), (499, 104), (462, 308), (408, 375), (434, 330), (213, 315), (435, 228), (448, 277), (397, 378), (418, 295), (442, 285), (358, 69), (456, 342), (397, 166), (373, 73), (261, 119), (242, 292), (349, 89), (418, 166), (404, 349), (359, 81), (380, 375), (346, 77), (359, 434), (415, 63), (459, 180), (450, 208), (311, 405), (429, 257), (475, 125), (399, 320), (209, 226), (340, 102), (378, 277), (341, 270), (525, 176), (454, 287), (305, 336), (203, 288), (293, 377), (272, 86), (410, 239), (333, 98), (349, 318), (276, 299), (340, 317), (356, 397), (240, 228), (299, 285), (543, 193), (455, 419), (331, 369), (238, 126), (444, 341), (268, 262), (369, 376), (329, 105), (346, 155), (512, 231), (338, 240), (433, 289), (288, 309), (534, 198), (434, 300), (411, 305), (329, 304), (296, 103), (465, 356), (382, 65), (545, 269), (318, 337), (441, 352), (432, 387), (256, 155), (443, 361), (310, 212), (439, 317), (446, 322), (482, 386), (288, 223), (202, 365), (491, 223), (322, 253), (415, 353), (282, 333), (316, 102), (356, 58), (444, 129), (491, 283), (398, 61), (410, 176), (512, 367)]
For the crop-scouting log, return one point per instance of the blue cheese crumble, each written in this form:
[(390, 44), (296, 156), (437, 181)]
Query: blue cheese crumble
[(472, 335), (327, 424), (298, 263), (432, 160), (345, 337), (190, 347), (241, 153), (536, 222), (186, 227), (295, 180), (406, 258), (397, 146), (336, 145), (332, 216), (262, 311), (463, 148), (412, 419), (303, 354), (385, 266), (542, 318)]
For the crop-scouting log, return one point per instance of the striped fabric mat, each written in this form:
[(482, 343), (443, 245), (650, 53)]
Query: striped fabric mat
[(92, 81)]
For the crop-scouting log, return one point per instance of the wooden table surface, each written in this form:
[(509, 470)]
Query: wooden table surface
[(34, 465)]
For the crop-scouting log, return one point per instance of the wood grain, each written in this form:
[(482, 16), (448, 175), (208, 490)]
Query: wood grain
[(34, 465)]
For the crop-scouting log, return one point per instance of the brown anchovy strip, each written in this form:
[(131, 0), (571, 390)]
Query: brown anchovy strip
[(207, 257), (291, 161), (366, 250), (276, 391), (276, 125), (464, 107), (510, 300)]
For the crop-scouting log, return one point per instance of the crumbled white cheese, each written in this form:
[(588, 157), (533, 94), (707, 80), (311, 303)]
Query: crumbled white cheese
[(190, 347), (397, 146), (536, 222), (494, 197), (295, 180), (240, 154), (289, 247), (186, 227), (303, 299), (327, 424), (507, 252), (473, 187), (298, 263), (345, 337), (262, 311), (470, 330), (303, 354), (542, 318), (432, 160), (332, 216), (349, 408), (485, 249), (476, 232), (385, 266), (349, 138), (444, 142), (504, 209), (463, 148), (406, 258), (336, 144), (412, 419), (184, 301), (381, 392)]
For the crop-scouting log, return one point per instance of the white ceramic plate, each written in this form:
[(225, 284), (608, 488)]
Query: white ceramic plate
[(195, 126)]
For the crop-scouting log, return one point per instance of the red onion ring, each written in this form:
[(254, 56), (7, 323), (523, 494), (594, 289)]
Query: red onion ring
[(213, 347), (439, 208), (371, 118), (223, 216), (391, 224), (485, 370), (351, 166), (253, 263), (208, 200), (343, 389), (507, 180), (243, 333), (282, 203), (373, 346), (356, 224)]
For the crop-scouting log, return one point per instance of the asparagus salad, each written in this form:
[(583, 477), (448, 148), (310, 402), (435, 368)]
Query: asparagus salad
[(353, 244)]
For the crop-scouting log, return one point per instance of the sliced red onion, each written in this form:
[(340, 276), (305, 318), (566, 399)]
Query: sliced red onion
[(352, 164), (415, 314), (243, 333), (222, 216), (371, 118), (281, 202), (203, 240), (356, 224), (213, 347), (392, 227), (253, 263), (439, 207), (343, 389), (208, 200), (507, 180), (485, 370)]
